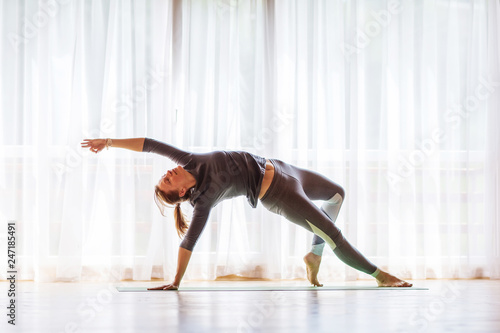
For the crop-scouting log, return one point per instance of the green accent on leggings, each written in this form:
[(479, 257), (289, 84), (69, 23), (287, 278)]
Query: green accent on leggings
[(374, 274), (321, 234)]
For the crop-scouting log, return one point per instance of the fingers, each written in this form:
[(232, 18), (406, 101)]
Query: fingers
[(94, 150), (156, 288), (86, 143), (170, 287), (92, 145), (164, 287)]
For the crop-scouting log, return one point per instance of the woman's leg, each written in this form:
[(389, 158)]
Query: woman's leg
[(318, 187), (293, 202), (291, 197)]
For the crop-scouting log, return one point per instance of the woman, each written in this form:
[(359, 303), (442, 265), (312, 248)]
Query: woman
[(206, 179)]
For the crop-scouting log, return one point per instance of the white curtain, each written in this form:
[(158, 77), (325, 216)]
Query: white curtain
[(398, 101)]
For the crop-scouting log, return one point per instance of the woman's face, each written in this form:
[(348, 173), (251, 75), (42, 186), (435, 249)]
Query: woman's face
[(173, 180)]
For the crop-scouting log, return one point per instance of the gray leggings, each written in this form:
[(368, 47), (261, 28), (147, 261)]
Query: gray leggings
[(290, 195)]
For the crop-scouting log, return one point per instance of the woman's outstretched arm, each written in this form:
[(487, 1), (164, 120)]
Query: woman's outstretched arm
[(146, 145), (96, 145)]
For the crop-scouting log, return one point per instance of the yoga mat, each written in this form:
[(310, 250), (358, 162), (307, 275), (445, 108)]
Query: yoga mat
[(275, 288)]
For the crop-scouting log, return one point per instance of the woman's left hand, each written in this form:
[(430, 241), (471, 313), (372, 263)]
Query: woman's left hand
[(95, 145), (170, 286)]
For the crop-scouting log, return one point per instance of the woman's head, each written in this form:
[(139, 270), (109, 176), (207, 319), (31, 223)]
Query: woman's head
[(177, 181), (172, 189)]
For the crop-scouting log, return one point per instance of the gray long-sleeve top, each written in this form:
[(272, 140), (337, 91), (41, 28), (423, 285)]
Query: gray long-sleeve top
[(219, 175)]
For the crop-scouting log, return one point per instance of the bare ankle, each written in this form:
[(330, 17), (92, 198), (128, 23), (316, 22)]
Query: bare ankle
[(381, 275), (312, 256)]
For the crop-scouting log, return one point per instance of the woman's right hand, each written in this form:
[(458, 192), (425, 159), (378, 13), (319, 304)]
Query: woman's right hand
[(95, 145), (170, 286)]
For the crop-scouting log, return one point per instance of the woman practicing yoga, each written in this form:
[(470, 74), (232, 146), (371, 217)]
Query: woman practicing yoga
[(206, 179)]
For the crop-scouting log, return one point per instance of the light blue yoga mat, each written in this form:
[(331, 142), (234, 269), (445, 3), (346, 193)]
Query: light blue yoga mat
[(274, 288)]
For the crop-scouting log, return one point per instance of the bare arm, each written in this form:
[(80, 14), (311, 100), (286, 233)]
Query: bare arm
[(96, 145), (198, 223), (182, 263)]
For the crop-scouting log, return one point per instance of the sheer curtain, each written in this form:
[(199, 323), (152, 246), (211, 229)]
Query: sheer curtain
[(396, 100)]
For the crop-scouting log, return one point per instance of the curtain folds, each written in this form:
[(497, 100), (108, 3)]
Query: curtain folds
[(397, 101)]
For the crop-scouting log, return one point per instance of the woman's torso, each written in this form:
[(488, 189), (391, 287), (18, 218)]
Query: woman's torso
[(222, 175)]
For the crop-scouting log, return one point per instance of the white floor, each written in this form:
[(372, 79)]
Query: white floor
[(448, 306)]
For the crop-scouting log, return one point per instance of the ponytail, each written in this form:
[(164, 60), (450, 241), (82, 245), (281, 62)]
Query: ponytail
[(164, 199), (180, 221)]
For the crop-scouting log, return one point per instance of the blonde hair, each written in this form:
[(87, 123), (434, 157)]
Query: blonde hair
[(164, 199)]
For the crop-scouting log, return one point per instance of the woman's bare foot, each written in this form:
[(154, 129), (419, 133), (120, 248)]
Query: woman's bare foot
[(312, 264), (385, 279)]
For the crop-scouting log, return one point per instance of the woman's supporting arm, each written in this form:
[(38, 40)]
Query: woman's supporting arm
[(96, 145), (198, 223), (182, 263)]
